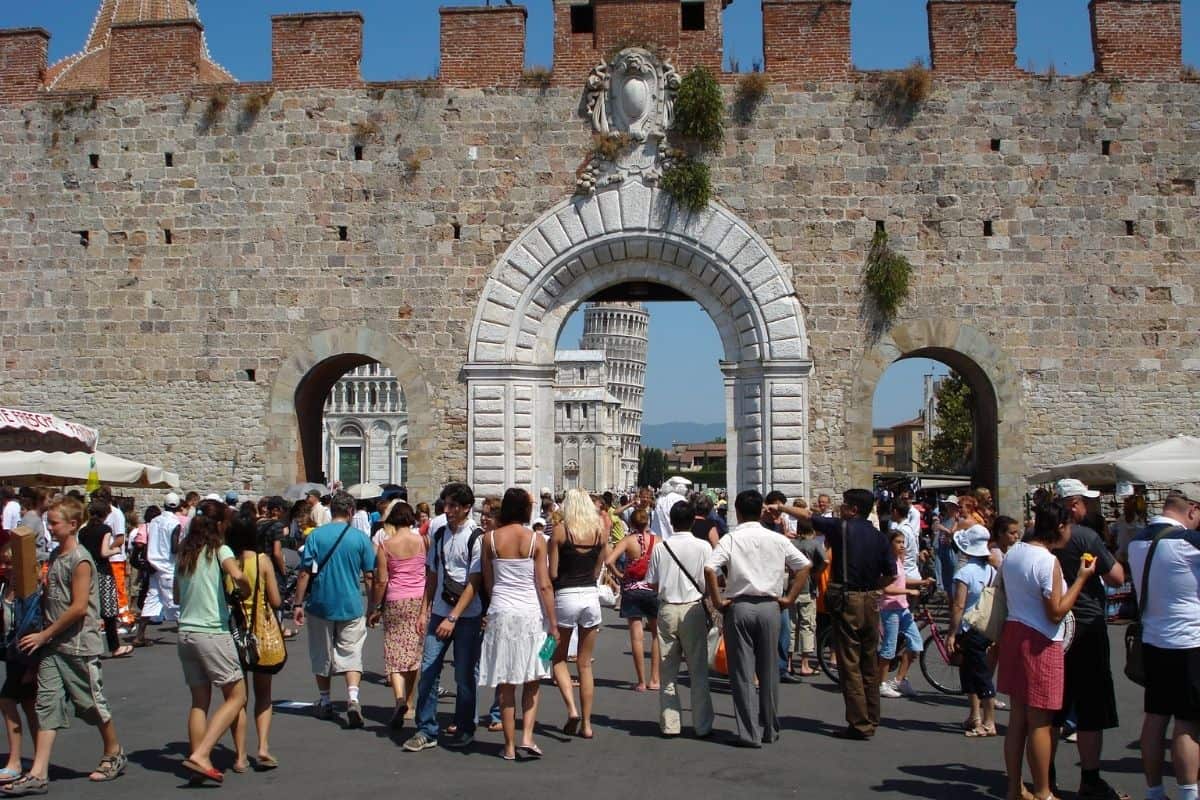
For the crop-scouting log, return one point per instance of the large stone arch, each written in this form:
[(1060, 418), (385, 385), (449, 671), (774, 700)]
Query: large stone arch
[(992, 377), (302, 382), (626, 233)]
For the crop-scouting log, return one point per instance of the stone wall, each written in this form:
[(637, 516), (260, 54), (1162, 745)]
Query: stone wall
[(202, 281)]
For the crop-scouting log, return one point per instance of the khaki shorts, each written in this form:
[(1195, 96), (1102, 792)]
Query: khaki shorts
[(335, 647), (74, 679), (209, 658)]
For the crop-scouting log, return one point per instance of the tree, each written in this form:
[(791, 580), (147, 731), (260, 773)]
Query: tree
[(951, 449), (652, 466)]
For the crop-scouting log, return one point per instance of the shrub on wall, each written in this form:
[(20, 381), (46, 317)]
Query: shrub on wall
[(689, 182), (901, 92), (700, 108), (886, 277), (751, 88)]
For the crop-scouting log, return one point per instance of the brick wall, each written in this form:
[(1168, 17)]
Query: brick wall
[(483, 46), (154, 57), (625, 22), (1137, 39), (316, 50), (973, 39), (806, 39), (22, 63)]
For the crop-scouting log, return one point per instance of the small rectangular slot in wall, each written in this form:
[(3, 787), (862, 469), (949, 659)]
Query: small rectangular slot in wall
[(987, 227), (691, 16), (168, 237), (995, 145), (169, 159), (880, 226), (94, 160), (85, 237), (583, 19), (457, 230), (1106, 148), (1130, 228), (249, 375), (358, 152), (343, 233)]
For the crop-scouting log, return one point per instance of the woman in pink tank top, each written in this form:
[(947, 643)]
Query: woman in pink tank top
[(397, 597)]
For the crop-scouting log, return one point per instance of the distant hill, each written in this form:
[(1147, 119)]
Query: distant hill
[(663, 435)]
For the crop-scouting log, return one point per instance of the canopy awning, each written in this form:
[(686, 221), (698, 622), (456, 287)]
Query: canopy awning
[(28, 430), (1161, 463), (39, 468)]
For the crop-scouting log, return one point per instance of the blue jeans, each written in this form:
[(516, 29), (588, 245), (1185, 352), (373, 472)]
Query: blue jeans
[(467, 639), (945, 564)]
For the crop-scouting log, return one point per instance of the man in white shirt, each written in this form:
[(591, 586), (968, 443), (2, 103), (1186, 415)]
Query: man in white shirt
[(756, 563), (316, 509), (902, 521), (162, 540), (12, 508), (677, 572), (671, 493), (1171, 638)]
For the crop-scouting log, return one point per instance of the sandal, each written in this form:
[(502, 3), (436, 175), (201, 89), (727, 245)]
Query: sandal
[(141, 643), (268, 762), (971, 723), (25, 785), (110, 768), (9, 775), (530, 750), (124, 651), (208, 773), (572, 726), (493, 727), (980, 732)]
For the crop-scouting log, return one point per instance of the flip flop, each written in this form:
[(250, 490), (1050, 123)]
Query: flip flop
[(124, 651), (213, 775), (9, 775), (268, 762), (531, 750), (507, 758), (241, 769), (572, 726)]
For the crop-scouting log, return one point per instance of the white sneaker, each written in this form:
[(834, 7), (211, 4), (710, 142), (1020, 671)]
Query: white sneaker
[(888, 689), (905, 688)]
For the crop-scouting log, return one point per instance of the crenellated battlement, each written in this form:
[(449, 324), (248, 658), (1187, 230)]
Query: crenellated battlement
[(484, 46)]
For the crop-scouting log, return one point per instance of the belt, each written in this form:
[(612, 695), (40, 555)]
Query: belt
[(845, 588), (753, 598)]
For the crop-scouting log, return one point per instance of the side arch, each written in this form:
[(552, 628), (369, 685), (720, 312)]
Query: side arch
[(298, 392), (991, 375)]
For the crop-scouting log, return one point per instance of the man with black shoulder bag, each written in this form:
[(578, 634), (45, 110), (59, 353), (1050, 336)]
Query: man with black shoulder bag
[(453, 602), (862, 564), (1165, 562)]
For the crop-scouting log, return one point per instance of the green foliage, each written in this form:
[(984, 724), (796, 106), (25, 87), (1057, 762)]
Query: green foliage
[(689, 182), (713, 476), (950, 449), (700, 108), (886, 277), (751, 88), (652, 466)]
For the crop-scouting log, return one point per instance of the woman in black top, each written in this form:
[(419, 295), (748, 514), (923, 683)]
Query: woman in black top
[(95, 536)]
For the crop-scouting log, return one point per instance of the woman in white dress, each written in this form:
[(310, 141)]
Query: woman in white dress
[(519, 618)]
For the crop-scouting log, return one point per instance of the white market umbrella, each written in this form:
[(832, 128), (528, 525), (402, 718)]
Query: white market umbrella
[(29, 430), (365, 491), (297, 491), (1162, 463), (39, 468)]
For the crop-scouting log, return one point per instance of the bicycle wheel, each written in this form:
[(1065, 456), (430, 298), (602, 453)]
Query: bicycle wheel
[(826, 655), (941, 674)]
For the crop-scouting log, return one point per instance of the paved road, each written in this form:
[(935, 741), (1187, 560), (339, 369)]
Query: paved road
[(919, 752)]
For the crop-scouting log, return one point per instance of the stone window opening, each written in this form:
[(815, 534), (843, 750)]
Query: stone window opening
[(1106, 148), (457, 230), (358, 152), (85, 237), (169, 159), (691, 15), (94, 160), (343, 233), (880, 226), (1130, 228), (995, 145), (168, 237), (583, 18), (249, 375), (987, 227)]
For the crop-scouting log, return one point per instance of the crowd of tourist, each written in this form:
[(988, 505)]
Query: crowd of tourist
[(512, 588)]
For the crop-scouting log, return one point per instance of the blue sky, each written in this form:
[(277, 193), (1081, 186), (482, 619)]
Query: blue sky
[(401, 41)]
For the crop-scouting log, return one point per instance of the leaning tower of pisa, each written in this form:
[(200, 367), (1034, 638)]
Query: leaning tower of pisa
[(620, 330)]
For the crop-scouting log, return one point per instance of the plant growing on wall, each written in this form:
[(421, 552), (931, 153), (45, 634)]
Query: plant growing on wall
[(751, 88), (901, 93), (886, 278), (688, 181), (700, 109)]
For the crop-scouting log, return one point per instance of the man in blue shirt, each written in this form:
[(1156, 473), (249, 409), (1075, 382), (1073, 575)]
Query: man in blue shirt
[(453, 579), (335, 556)]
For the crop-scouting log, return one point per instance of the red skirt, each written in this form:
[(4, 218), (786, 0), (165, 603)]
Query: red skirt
[(1030, 667)]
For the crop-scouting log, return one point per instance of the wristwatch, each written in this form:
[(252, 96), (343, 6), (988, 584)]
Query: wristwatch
[(452, 618)]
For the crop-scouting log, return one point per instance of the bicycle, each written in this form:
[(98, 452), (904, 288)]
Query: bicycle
[(936, 662)]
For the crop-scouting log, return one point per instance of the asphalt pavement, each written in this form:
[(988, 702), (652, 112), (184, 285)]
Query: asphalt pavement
[(919, 751)]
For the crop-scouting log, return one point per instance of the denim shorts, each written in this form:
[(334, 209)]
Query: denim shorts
[(897, 622)]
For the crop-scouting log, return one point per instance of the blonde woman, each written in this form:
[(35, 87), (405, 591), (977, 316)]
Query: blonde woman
[(578, 549)]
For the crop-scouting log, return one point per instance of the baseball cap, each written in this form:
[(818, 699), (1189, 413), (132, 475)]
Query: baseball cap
[(231, 497), (1069, 487), (171, 500), (1188, 491), (973, 541), (952, 500), (213, 496), (314, 493)]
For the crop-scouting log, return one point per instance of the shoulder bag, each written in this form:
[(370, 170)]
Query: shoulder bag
[(452, 590), (988, 616), (708, 617), (1135, 665)]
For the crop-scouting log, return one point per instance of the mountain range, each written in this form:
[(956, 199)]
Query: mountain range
[(665, 434)]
